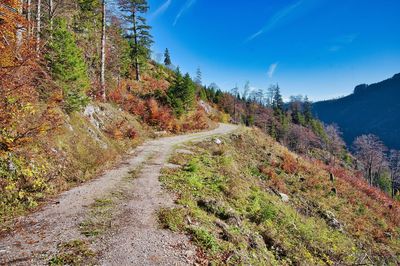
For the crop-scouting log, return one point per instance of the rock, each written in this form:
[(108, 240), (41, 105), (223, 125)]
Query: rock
[(172, 166), (217, 141), (160, 133), (220, 210), (284, 197), (11, 166), (207, 108), (331, 220), (256, 241), (183, 151)]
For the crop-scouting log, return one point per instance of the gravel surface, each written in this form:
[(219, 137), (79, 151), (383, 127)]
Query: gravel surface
[(134, 237)]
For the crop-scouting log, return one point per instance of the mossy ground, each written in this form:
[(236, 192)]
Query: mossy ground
[(228, 203)]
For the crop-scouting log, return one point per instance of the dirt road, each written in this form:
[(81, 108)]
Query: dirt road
[(132, 236)]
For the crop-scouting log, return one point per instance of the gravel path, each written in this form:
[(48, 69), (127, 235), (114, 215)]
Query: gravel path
[(134, 237)]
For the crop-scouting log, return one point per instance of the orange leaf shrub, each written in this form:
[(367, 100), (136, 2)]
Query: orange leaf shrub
[(289, 164)]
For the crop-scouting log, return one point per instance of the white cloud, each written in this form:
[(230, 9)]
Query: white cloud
[(272, 69), (342, 41), (161, 9), (188, 4), (280, 15)]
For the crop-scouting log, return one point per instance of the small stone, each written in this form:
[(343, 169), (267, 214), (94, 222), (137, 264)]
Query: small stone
[(218, 141), (284, 197)]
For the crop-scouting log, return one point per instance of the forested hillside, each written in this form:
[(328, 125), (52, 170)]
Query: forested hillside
[(370, 109), (79, 90)]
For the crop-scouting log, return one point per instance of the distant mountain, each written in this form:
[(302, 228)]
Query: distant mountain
[(371, 108)]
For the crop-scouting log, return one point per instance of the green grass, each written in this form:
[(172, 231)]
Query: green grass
[(75, 252), (227, 207)]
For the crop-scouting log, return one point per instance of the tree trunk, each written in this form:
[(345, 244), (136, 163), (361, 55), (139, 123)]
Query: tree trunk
[(103, 52), (28, 16), (136, 45), (38, 25), (51, 7), (370, 175), (20, 28)]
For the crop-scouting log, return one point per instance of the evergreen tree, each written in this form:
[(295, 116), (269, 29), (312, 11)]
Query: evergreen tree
[(182, 93), (307, 110), (67, 66), (188, 92), (175, 94), (138, 31), (167, 58), (277, 102), (198, 76)]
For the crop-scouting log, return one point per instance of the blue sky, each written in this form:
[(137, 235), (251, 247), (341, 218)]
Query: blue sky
[(319, 48)]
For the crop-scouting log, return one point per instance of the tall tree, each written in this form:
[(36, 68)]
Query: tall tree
[(277, 102), (370, 151), (189, 92), (38, 24), (103, 51), (334, 143), (307, 110), (51, 14), (138, 31), (167, 58), (235, 94), (394, 164), (246, 90), (28, 16), (68, 67), (198, 79)]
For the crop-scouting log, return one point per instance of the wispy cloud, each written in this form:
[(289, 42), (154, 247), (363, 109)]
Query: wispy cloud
[(186, 6), (278, 17), (342, 41), (272, 69), (159, 11)]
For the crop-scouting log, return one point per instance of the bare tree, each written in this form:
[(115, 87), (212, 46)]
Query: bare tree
[(246, 90), (103, 51), (235, 93), (301, 139), (28, 16), (394, 164), (370, 151), (38, 24), (334, 143)]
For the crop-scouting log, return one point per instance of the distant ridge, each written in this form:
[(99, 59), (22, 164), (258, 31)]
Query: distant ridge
[(371, 108)]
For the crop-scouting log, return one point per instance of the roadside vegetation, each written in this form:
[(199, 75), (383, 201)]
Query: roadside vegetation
[(251, 201)]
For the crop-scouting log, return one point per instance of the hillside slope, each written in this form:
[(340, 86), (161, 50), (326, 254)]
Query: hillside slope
[(249, 201), (371, 108)]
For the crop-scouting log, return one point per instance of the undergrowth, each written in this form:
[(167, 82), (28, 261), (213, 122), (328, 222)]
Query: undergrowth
[(229, 202)]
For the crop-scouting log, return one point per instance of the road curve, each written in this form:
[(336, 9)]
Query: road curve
[(134, 237)]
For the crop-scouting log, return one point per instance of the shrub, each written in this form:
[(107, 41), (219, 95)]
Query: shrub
[(68, 67)]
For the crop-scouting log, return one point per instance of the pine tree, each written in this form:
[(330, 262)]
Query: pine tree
[(175, 94), (307, 110), (182, 93), (189, 92), (198, 77), (167, 57), (138, 31), (67, 66), (277, 102)]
